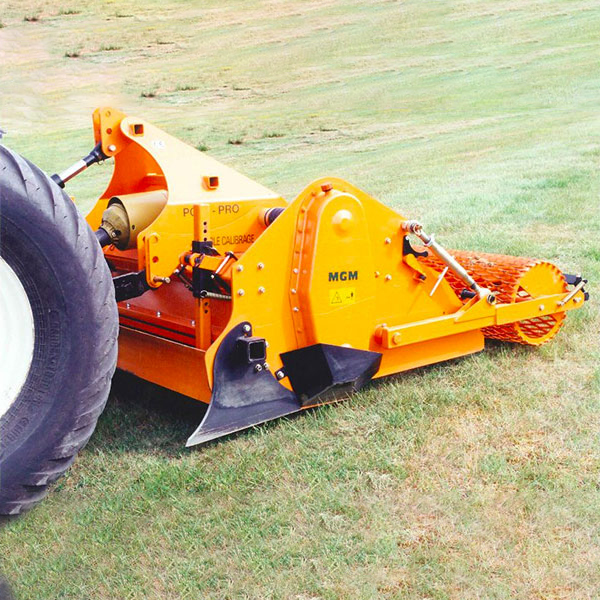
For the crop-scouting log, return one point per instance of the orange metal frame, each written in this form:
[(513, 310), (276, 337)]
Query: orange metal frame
[(330, 269)]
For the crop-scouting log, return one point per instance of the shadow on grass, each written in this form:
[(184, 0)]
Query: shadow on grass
[(141, 417), (5, 591)]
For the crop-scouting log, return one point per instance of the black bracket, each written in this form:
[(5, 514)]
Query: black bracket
[(204, 248), (575, 280), (205, 280), (130, 285), (408, 249)]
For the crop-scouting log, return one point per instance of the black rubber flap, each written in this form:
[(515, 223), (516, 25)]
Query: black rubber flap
[(323, 372), (244, 392)]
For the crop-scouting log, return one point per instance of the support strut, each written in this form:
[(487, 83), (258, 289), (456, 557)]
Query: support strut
[(95, 156), (416, 228)]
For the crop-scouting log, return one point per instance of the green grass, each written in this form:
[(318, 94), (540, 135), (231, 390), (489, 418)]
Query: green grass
[(476, 478)]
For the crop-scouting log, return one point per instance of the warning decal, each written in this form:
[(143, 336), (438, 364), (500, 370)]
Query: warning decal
[(342, 296)]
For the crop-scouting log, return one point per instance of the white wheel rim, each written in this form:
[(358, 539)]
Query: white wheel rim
[(17, 336)]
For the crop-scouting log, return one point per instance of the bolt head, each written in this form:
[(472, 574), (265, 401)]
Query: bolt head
[(112, 148), (158, 279), (261, 290), (296, 309), (326, 187), (388, 240), (260, 266), (241, 292), (388, 277), (293, 291), (541, 307), (246, 328), (343, 221), (239, 268), (258, 368), (280, 374)]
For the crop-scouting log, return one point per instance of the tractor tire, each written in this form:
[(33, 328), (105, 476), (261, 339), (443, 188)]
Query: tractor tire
[(58, 332)]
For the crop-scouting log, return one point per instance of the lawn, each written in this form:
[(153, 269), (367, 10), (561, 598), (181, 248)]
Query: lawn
[(477, 478)]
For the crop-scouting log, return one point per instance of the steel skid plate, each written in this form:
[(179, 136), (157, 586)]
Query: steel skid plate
[(244, 393), (324, 373)]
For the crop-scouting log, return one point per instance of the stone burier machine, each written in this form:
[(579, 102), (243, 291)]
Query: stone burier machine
[(259, 308)]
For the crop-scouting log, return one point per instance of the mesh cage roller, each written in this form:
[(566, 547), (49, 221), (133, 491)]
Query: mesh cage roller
[(511, 279)]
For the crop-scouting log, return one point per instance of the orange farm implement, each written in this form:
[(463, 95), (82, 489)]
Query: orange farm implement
[(229, 295)]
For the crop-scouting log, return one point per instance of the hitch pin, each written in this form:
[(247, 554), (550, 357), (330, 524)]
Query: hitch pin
[(228, 256), (572, 293), (439, 280)]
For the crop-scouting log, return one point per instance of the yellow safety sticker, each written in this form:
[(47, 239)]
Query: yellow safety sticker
[(342, 296)]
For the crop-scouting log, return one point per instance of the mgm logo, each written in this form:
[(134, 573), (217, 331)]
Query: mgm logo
[(343, 275)]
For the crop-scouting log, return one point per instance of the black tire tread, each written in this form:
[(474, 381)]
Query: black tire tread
[(92, 400)]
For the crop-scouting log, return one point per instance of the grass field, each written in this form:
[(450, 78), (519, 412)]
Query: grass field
[(478, 478)]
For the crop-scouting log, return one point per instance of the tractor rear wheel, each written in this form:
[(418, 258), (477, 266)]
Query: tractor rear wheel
[(58, 332)]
